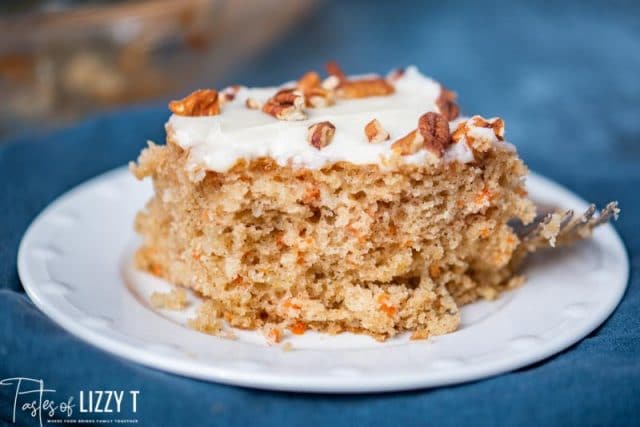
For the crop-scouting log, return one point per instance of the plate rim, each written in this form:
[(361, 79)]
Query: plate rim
[(266, 381)]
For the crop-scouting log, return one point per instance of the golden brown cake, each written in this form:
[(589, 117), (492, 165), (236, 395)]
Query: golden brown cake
[(359, 204)]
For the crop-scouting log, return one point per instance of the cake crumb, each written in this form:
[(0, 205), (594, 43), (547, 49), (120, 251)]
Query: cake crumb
[(516, 282), (176, 299), (552, 228), (287, 346), (208, 326), (207, 320), (272, 333)]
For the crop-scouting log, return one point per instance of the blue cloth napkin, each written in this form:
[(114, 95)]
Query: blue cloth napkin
[(564, 77)]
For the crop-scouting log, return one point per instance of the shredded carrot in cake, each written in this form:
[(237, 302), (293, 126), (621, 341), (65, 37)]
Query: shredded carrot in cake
[(352, 230), (298, 328), (288, 304), (484, 196), (434, 271), (156, 269), (382, 299), (280, 239), (311, 195), (300, 258), (388, 309)]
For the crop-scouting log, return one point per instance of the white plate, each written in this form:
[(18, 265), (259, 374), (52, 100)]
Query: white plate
[(75, 264)]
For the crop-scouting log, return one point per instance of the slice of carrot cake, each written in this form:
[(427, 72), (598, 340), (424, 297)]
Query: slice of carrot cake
[(360, 204)]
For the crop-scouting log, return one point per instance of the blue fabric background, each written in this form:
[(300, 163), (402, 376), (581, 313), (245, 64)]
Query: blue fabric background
[(566, 78)]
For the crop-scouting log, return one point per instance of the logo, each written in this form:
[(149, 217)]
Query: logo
[(32, 397)]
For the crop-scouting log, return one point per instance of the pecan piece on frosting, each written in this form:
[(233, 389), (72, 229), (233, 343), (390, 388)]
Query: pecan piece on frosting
[(202, 102), (408, 144), (434, 129), (478, 141), (359, 88), (497, 124), (315, 95), (364, 88), (432, 134), (309, 81), (286, 104), (333, 69), (375, 132), (319, 97), (321, 134), (446, 103)]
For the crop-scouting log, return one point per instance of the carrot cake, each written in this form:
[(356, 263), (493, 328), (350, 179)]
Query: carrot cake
[(344, 203)]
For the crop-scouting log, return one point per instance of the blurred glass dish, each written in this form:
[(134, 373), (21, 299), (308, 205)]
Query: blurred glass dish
[(62, 59)]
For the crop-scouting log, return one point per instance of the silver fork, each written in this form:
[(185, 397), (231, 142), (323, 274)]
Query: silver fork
[(569, 226)]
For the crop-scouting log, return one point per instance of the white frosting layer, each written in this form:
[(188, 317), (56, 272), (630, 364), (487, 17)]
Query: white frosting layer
[(217, 142)]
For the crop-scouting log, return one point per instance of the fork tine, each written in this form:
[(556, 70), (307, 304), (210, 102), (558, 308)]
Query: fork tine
[(611, 210), (588, 214), (581, 220), (571, 226), (566, 218), (588, 222), (536, 229)]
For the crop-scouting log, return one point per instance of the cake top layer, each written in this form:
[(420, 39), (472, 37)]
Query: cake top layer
[(403, 118)]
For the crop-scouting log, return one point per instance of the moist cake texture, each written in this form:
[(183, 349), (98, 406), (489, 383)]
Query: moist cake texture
[(359, 204)]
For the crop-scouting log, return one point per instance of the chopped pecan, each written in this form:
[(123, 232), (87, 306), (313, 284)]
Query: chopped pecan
[(315, 95), (497, 124), (286, 104), (252, 104), (408, 144), (203, 102), (446, 103), (361, 88), (434, 129), (289, 96), (375, 132), (309, 81), (462, 131), (333, 69), (364, 88), (319, 97), (321, 134)]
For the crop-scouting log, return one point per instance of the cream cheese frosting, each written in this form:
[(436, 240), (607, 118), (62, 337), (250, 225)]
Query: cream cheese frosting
[(217, 142)]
